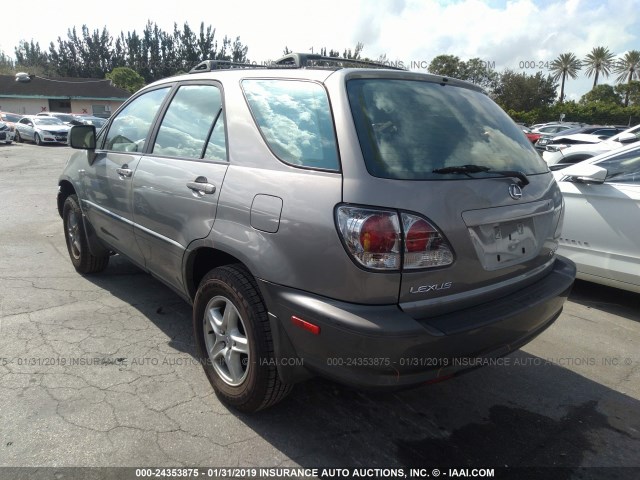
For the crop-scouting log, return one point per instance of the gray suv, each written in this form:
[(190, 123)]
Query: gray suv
[(379, 227)]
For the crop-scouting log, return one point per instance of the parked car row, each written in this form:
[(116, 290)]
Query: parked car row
[(570, 149), (45, 127)]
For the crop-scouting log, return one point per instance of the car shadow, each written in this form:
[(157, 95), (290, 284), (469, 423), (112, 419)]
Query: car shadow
[(521, 411), (615, 301)]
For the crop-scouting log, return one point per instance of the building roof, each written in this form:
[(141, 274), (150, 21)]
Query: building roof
[(61, 88)]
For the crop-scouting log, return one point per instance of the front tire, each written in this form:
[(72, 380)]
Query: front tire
[(18, 137), (76, 238), (234, 342), (37, 140)]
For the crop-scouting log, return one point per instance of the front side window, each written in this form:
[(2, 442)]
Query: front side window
[(295, 119), (623, 168), (129, 130), (188, 125), (408, 128)]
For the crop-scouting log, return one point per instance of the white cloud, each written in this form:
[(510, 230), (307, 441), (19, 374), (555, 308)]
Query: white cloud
[(506, 32)]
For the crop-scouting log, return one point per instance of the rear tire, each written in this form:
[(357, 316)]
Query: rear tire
[(234, 342), (76, 238)]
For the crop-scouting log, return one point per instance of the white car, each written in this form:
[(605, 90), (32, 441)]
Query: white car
[(576, 153), (41, 130), (601, 231), (6, 134)]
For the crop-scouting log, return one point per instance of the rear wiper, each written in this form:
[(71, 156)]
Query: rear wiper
[(467, 169)]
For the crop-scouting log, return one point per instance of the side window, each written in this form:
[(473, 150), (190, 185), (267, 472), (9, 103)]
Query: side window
[(295, 119), (192, 123), (130, 128), (623, 168), (217, 145)]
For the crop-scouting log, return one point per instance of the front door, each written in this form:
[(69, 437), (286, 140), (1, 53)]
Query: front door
[(107, 181)]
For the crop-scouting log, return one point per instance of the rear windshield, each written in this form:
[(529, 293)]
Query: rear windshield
[(408, 128)]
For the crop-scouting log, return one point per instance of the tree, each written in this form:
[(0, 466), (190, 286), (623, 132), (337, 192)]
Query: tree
[(522, 92), (126, 78), (567, 64), (599, 61), (7, 66), (447, 66), (628, 69), (630, 92), (602, 94), (478, 72), (29, 56)]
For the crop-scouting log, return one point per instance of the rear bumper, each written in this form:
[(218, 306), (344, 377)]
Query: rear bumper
[(383, 347)]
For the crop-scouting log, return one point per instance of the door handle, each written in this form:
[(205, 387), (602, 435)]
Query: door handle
[(202, 185), (124, 171)]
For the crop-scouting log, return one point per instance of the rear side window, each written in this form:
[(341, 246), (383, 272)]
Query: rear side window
[(189, 124), (295, 119), (408, 128)]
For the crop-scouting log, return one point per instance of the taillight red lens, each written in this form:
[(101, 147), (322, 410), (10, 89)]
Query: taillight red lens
[(378, 234), (374, 238), (418, 236), (424, 245)]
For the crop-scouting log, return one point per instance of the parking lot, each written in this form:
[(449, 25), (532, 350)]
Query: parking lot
[(99, 371)]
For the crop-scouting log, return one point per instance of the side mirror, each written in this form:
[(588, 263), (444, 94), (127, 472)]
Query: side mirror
[(627, 138), (82, 137), (585, 173)]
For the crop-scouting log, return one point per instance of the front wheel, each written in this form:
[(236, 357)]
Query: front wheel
[(233, 340), (76, 238), (37, 139), (18, 137)]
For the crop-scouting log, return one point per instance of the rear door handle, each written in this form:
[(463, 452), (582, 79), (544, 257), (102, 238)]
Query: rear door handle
[(202, 185)]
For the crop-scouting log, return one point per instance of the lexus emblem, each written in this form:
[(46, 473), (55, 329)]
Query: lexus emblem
[(515, 191)]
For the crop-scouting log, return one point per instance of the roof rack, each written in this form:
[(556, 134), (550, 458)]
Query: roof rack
[(305, 60), (209, 65), (293, 60)]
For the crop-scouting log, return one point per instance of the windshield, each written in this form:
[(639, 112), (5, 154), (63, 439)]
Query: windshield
[(409, 128), (64, 117), (10, 117), (47, 121)]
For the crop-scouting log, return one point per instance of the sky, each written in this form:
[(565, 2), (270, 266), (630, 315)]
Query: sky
[(522, 35)]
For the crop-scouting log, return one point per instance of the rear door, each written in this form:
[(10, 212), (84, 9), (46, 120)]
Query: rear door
[(177, 184)]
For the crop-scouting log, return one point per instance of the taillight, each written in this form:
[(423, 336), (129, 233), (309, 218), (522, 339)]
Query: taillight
[(380, 239), (371, 236), (424, 245)]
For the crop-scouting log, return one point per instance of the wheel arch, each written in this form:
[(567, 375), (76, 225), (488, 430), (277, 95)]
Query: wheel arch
[(65, 188), (202, 260)]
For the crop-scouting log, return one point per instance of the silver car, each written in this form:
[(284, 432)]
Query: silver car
[(41, 130), (379, 227)]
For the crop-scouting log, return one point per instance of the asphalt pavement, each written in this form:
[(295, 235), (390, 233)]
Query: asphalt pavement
[(99, 371)]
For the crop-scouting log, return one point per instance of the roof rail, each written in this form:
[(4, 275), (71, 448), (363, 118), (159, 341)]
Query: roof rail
[(209, 65), (304, 60)]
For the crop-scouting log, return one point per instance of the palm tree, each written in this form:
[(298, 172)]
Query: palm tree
[(565, 64), (628, 68), (600, 60)]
